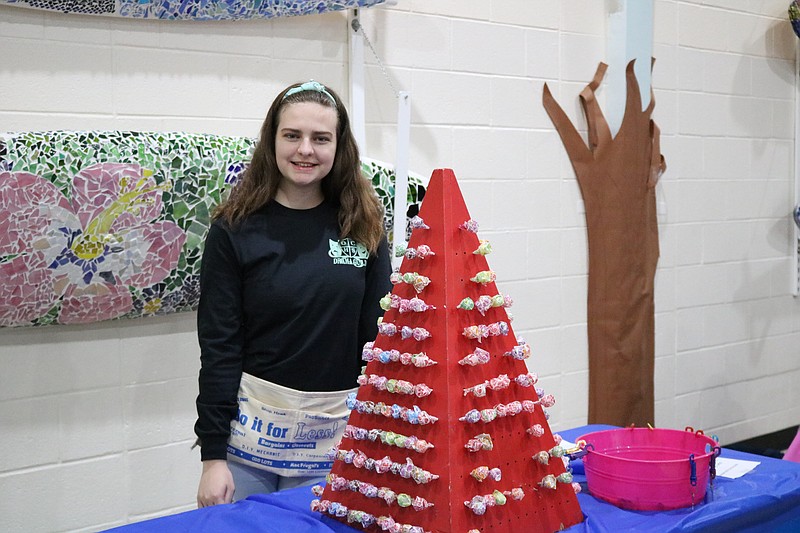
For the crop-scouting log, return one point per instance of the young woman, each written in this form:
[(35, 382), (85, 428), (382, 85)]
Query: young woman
[(294, 266)]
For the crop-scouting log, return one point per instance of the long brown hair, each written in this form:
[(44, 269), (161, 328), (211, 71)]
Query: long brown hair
[(360, 212)]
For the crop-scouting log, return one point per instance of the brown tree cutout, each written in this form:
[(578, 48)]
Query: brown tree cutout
[(617, 178)]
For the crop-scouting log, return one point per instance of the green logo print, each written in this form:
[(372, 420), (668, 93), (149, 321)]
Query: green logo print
[(348, 252)]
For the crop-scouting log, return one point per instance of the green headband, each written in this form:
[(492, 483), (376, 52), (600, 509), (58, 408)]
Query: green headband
[(310, 86)]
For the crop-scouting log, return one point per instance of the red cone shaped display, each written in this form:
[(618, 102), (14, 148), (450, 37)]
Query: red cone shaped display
[(462, 444)]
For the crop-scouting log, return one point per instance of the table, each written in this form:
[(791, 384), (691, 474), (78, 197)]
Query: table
[(765, 500)]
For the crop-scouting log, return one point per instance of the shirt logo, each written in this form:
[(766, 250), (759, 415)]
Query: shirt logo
[(348, 252)]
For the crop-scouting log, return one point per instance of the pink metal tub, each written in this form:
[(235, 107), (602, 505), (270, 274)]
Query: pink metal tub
[(649, 469)]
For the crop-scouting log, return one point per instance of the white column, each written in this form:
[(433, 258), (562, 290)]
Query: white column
[(401, 171), (357, 108), (795, 251), (629, 35)]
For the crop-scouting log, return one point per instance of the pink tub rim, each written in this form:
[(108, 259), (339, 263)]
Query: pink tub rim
[(602, 462)]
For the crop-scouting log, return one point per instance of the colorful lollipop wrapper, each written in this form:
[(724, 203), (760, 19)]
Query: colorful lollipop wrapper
[(403, 500), (480, 442), (477, 505), (467, 304), (548, 482), (420, 282), (420, 504), (542, 457), (500, 382), (480, 473), (417, 223), (487, 415), (414, 305), (483, 304), (526, 380), (520, 351), (516, 493), (387, 328), (484, 248), (536, 430), (469, 225), (548, 400), (557, 451), (477, 357), (422, 251), (478, 332), (484, 277), (479, 390)]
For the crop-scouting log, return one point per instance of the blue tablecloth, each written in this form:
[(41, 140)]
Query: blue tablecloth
[(765, 500)]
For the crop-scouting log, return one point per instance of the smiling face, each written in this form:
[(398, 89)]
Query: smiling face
[(305, 148)]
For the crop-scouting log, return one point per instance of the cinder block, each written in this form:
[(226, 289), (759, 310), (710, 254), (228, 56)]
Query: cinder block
[(163, 477), (78, 495), (173, 76), (30, 433), (500, 51), (90, 424), (706, 28), (54, 79), (544, 257)]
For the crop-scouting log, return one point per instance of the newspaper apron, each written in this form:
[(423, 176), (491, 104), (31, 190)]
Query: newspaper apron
[(286, 431)]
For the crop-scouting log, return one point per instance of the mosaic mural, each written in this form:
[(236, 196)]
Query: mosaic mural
[(194, 9), (99, 225)]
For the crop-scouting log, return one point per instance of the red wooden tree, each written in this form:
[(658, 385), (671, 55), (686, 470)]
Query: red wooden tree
[(494, 464)]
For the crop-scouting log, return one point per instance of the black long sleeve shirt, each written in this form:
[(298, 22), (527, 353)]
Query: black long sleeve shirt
[(284, 299)]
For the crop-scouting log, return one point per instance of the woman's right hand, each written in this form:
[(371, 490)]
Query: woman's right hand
[(216, 484)]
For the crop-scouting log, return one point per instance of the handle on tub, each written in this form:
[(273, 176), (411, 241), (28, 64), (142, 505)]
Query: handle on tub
[(581, 449), (713, 464)]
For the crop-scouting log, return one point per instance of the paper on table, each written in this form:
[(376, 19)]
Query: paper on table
[(734, 468)]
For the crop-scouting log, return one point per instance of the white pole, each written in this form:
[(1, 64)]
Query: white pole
[(356, 71), (795, 274), (401, 171), (629, 35)]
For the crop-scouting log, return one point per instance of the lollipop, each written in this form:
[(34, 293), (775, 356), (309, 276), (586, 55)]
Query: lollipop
[(467, 304), (477, 505), (536, 430), (478, 332), (516, 493), (484, 248), (415, 305), (542, 457), (548, 482), (483, 304), (526, 380), (417, 223), (478, 357), (469, 225), (480, 442), (484, 277), (500, 382), (521, 351)]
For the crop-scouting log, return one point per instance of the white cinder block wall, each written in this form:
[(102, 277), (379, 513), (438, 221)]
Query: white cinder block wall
[(96, 421)]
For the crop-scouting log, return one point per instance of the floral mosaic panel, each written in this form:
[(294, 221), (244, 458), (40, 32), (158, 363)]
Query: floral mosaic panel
[(194, 9), (100, 225)]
